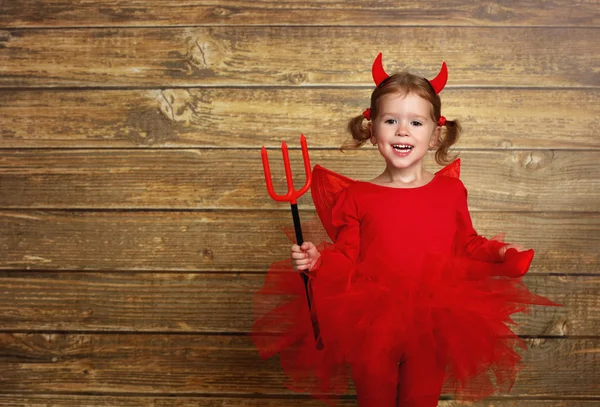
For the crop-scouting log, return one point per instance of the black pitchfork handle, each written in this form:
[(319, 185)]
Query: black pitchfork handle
[(299, 241)]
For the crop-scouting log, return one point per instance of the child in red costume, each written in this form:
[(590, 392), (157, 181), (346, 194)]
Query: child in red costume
[(409, 296)]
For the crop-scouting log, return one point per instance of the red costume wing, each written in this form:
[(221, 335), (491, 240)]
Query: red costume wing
[(451, 170), (325, 189)]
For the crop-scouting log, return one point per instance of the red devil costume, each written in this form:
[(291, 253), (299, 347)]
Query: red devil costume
[(407, 296)]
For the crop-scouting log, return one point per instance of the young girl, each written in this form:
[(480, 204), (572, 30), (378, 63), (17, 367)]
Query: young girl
[(409, 296)]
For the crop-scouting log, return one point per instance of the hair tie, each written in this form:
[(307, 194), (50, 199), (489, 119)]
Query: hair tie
[(441, 121), (367, 113)]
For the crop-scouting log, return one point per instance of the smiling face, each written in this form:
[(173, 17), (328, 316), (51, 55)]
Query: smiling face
[(404, 130)]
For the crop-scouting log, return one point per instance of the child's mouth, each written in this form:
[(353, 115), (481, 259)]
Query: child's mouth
[(402, 149)]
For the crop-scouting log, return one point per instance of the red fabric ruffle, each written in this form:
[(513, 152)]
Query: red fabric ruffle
[(369, 313)]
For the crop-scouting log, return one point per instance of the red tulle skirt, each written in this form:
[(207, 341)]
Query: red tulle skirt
[(375, 313)]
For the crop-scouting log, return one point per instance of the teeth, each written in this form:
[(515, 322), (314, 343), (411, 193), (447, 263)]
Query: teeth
[(402, 146)]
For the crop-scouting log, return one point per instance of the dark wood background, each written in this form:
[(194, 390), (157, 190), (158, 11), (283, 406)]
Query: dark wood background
[(134, 222)]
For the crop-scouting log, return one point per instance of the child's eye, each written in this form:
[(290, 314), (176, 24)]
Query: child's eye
[(390, 121), (416, 123)]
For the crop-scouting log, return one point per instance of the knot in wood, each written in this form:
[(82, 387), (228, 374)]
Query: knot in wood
[(198, 52), (493, 12), (535, 160), (504, 143), (297, 77), (207, 254), (221, 12), (5, 36)]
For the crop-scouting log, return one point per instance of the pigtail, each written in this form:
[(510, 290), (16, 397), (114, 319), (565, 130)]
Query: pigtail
[(448, 138), (360, 133)]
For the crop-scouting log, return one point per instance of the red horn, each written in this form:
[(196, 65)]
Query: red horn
[(440, 80), (378, 72)]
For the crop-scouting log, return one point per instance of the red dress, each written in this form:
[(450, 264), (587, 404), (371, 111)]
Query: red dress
[(406, 275)]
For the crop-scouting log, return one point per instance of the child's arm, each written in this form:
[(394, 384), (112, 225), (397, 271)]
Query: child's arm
[(346, 227), (470, 243)]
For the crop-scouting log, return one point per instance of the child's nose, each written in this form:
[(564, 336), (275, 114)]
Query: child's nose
[(402, 129)]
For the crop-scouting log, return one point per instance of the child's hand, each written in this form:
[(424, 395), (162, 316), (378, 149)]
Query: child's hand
[(517, 247), (304, 257)]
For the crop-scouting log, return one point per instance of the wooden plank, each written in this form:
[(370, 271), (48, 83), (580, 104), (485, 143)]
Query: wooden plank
[(10, 400), (244, 240), (51, 13), (286, 56), (521, 180), (222, 302), (246, 117), (204, 365)]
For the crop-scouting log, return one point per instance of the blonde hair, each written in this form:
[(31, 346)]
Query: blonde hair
[(404, 83)]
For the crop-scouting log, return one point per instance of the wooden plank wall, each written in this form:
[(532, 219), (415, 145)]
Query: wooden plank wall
[(134, 221)]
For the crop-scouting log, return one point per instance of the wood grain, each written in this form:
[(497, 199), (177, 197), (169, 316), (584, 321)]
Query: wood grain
[(134, 224), (16, 400), (285, 56), (205, 364), (50, 13), (223, 303), (527, 180), (244, 240), (247, 117)]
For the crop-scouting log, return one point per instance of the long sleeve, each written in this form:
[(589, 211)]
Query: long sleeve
[(346, 233), (347, 226), (487, 251), (468, 242)]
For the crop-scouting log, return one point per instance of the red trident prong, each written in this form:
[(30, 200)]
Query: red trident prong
[(292, 195)]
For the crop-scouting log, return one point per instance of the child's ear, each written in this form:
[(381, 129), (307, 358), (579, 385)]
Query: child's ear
[(435, 138), (369, 128)]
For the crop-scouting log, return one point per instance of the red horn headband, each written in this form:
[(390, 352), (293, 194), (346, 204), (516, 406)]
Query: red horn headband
[(440, 80), (379, 74), (437, 83)]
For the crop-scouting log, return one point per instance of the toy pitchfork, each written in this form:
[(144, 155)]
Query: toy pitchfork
[(291, 196)]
